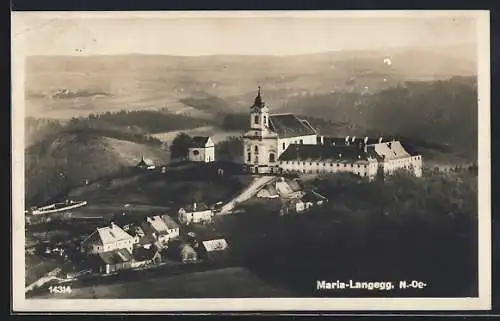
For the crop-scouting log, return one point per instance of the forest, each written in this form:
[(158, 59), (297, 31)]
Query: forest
[(398, 228)]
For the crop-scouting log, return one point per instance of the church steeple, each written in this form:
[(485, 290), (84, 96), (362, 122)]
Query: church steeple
[(258, 100)]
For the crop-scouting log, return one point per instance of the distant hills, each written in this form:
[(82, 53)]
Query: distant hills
[(134, 82)]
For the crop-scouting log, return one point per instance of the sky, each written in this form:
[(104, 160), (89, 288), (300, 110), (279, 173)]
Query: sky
[(282, 33)]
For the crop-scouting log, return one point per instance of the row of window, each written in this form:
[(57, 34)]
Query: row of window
[(272, 157), (318, 171), (256, 119), (324, 164)]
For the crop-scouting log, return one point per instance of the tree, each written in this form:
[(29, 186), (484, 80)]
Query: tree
[(180, 146)]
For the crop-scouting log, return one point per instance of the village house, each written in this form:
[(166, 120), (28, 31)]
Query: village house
[(122, 259), (107, 239), (214, 249), (161, 229), (195, 213), (202, 149), (277, 143)]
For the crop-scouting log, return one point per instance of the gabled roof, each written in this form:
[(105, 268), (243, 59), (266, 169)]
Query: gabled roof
[(170, 222), (199, 141), (158, 225), (215, 245), (288, 125), (108, 235), (196, 207), (298, 152), (116, 256), (143, 253), (389, 151)]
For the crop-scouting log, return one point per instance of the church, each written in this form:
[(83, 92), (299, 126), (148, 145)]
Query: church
[(277, 143), (270, 135)]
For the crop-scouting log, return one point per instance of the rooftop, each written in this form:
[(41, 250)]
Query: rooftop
[(108, 235), (116, 256), (170, 222), (289, 125), (324, 152), (199, 141), (196, 207), (158, 224)]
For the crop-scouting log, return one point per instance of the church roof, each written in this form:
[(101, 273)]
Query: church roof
[(289, 125), (199, 141), (324, 152)]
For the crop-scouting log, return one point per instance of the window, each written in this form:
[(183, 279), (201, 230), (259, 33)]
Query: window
[(338, 165), (345, 165), (287, 162), (271, 158), (317, 164), (256, 119), (256, 149), (196, 152), (303, 163), (358, 165), (365, 166), (310, 163), (249, 157), (265, 120), (352, 165), (284, 146), (301, 141), (331, 165)]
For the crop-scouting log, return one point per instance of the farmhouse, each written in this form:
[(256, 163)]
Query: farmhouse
[(202, 149), (161, 228), (195, 213), (109, 238), (116, 260)]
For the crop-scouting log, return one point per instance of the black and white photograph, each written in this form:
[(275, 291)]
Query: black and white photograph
[(251, 161)]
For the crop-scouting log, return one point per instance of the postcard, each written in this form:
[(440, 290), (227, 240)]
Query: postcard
[(251, 161)]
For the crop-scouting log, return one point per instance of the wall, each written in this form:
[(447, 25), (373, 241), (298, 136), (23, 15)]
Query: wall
[(209, 154), (361, 168), (413, 163), (260, 151), (306, 140), (200, 157)]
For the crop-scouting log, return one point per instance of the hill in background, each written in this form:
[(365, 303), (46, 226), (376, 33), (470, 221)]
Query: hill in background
[(95, 84)]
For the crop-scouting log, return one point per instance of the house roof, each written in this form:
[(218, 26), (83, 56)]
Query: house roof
[(324, 152), (158, 225), (353, 140), (196, 207), (108, 235), (289, 125), (199, 141), (142, 253), (170, 222), (116, 256), (389, 151), (215, 245)]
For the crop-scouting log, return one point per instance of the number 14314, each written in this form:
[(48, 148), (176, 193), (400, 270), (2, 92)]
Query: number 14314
[(59, 289)]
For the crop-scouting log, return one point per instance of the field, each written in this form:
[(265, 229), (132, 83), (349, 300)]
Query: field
[(223, 283)]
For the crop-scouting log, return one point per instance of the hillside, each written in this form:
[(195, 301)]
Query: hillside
[(55, 164), (95, 84)]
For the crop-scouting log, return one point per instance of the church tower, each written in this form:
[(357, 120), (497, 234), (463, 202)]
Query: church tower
[(260, 143), (259, 114)]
